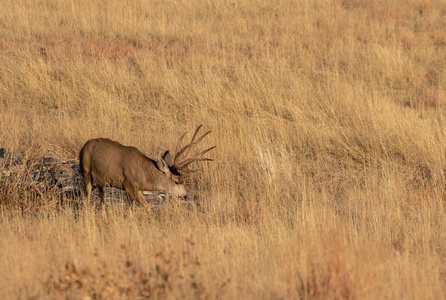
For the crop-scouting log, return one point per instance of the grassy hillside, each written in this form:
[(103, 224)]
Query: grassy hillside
[(328, 116)]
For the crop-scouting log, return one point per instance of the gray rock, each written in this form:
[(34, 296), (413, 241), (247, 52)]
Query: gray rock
[(48, 174)]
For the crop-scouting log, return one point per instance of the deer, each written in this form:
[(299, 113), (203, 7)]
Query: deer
[(110, 164)]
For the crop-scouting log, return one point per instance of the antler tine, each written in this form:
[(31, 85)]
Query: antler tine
[(199, 157), (179, 142), (190, 146), (192, 143), (178, 152), (185, 168), (202, 137), (188, 159), (206, 151)]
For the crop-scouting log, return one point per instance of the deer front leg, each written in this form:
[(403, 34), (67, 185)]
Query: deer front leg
[(138, 196), (142, 200)]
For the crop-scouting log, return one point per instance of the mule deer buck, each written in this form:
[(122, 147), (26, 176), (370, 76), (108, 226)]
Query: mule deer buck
[(109, 163)]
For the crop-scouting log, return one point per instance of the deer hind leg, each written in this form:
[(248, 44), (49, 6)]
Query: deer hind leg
[(102, 198), (88, 187)]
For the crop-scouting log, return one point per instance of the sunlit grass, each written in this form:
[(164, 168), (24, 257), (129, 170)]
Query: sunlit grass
[(328, 116)]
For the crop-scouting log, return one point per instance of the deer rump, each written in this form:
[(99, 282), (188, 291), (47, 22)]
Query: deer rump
[(109, 163)]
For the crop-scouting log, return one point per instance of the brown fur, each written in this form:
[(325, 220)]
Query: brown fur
[(109, 163)]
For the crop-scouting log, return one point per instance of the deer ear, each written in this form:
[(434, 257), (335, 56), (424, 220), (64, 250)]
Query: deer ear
[(162, 164), (167, 158)]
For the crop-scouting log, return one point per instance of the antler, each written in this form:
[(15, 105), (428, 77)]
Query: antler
[(182, 164)]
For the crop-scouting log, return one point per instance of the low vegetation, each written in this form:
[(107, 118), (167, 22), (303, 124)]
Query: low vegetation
[(329, 172)]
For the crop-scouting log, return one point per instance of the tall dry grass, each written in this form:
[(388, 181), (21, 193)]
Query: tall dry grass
[(328, 117)]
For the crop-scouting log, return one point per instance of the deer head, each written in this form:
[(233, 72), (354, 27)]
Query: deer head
[(174, 168)]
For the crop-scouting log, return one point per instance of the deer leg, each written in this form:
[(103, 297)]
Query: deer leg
[(138, 196), (88, 187), (102, 198), (128, 199)]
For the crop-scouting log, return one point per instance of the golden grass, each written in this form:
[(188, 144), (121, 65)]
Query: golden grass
[(328, 117)]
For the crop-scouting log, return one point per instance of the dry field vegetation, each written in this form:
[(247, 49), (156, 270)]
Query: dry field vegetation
[(329, 119)]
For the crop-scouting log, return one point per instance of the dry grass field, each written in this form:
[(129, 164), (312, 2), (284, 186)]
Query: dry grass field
[(329, 118)]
